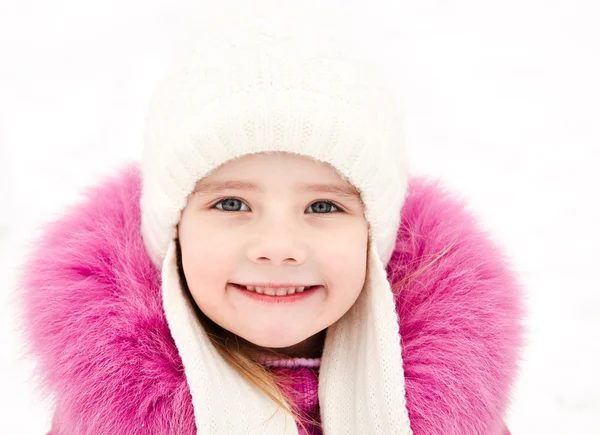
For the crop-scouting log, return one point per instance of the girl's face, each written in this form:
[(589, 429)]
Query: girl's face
[(279, 231)]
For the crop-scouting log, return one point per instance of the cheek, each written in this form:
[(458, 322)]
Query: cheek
[(346, 268), (207, 264), (347, 252)]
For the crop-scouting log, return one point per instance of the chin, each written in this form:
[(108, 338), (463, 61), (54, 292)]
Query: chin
[(274, 342)]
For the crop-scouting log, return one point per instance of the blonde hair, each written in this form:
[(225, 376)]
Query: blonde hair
[(242, 356)]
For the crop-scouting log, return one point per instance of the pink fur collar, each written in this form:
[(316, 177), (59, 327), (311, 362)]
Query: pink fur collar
[(93, 319)]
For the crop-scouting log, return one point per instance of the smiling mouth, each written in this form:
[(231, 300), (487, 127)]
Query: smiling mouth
[(277, 292)]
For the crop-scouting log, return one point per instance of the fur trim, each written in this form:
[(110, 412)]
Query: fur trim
[(92, 319), (460, 318)]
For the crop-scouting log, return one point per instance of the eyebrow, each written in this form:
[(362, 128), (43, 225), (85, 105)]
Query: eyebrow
[(344, 190)]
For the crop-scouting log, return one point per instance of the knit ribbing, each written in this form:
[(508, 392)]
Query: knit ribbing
[(303, 382), (291, 362)]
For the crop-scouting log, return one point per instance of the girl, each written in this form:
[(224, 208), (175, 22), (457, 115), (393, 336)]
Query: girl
[(270, 267)]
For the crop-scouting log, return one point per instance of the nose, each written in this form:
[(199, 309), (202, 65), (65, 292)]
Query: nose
[(277, 244)]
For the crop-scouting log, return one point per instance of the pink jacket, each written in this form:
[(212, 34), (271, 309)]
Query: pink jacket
[(93, 320)]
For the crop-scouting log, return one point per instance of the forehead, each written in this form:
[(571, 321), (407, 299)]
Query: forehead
[(342, 189), (256, 172)]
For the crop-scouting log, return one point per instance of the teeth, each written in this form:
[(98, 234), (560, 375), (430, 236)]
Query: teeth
[(276, 291)]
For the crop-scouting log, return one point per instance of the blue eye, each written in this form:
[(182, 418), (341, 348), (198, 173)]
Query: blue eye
[(228, 204), (327, 205)]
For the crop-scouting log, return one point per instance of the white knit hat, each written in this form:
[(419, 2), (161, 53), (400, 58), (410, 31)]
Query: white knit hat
[(273, 82)]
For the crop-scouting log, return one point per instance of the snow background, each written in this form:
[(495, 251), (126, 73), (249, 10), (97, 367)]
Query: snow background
[(501, 101)]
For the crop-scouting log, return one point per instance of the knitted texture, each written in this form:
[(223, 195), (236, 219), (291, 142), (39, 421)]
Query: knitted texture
[(262, 83), (304, 392), (291, 362), (93, 320)]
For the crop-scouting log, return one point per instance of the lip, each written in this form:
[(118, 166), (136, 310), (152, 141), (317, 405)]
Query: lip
[(288, 299)]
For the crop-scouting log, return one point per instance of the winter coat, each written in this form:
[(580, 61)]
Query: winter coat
[(94, 322)]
